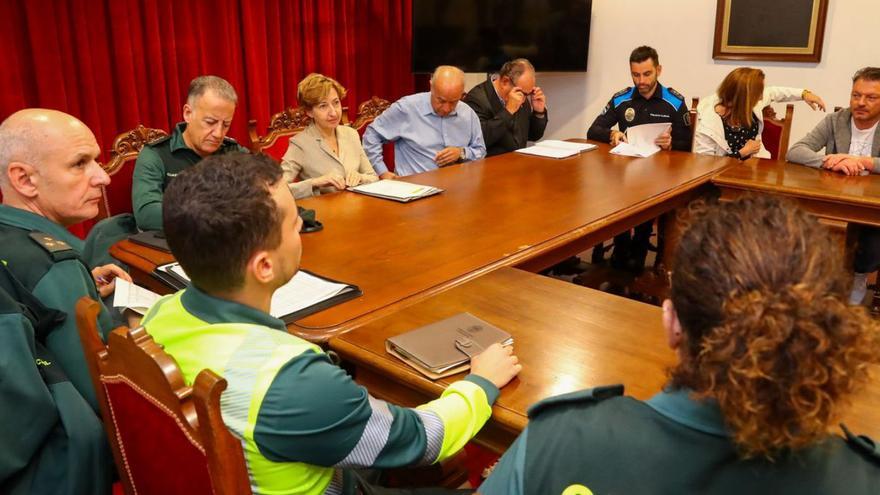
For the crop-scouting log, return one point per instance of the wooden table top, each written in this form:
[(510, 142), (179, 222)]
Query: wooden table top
[(567, 338), (828, 194), (501, 211)]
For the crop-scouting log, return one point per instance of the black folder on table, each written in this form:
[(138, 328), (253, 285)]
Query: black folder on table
[(305, 294), (151, 238)]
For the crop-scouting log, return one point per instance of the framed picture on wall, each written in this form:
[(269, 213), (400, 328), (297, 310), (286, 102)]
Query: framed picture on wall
[(779, 30)]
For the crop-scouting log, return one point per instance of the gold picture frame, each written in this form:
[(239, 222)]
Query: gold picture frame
[(777, 30)]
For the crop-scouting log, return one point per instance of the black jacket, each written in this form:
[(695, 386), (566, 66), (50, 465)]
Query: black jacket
[(503, 132)]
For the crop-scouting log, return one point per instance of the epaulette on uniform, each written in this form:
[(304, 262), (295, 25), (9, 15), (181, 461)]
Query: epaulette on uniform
[(862, 444), (623, 95), (589, 395), (672, 97), (159, 141), (57, 249)]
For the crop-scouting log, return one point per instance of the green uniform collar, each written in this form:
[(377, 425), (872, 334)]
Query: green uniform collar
[(26, 220), (214, 310), (677, 405)]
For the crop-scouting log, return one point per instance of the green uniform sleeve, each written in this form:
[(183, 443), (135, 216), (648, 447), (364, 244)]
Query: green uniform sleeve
[(28, 414), (314, 413), (62, 286), (146, 190), (507, 477)]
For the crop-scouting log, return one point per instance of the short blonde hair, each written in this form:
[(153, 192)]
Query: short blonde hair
[(315, 87)]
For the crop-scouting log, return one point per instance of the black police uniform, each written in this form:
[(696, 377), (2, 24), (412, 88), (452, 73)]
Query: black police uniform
[(599, 442), (629, 108)]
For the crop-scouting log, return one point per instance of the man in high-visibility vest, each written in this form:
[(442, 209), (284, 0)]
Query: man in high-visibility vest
[(233, 225)]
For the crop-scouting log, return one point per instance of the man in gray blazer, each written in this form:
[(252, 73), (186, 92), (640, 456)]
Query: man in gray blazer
[(851, 146)]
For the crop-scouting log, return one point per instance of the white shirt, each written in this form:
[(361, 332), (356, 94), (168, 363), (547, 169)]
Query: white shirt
[(862, 140)]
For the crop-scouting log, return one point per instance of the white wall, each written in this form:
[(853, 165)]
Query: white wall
[(682, 32)]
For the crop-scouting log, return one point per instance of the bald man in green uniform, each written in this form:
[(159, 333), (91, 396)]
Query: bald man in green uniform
[(50, 180)]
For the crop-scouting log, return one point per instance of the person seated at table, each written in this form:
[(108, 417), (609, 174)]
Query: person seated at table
[(730, 121), (769, 354), (304, 423), (851, 146), (645, 102), (49, 180), (511, 107), (207, 115), (429, 130), (325, 156)]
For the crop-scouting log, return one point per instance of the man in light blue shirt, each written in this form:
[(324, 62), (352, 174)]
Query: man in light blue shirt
[(429, 130)]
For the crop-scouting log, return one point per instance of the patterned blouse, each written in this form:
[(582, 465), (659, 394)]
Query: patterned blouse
[(738, 136)]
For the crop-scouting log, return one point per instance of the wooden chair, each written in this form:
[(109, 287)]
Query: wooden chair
[(167, 438), (124, 151), (368, 111), (777, 132), (692, 113), (284, 124)]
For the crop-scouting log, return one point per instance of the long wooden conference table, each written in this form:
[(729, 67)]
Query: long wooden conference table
[(509, 210), (420, 262), (566, 336)]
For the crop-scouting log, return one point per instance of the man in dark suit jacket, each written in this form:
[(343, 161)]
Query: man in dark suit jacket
[(510, 106)]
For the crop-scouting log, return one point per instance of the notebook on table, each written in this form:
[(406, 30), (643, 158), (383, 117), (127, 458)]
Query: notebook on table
[(396, 190), (306, 293), (446, 347)]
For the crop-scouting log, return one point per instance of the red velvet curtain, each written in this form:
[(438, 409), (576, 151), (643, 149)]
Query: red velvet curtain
[(119, 63)]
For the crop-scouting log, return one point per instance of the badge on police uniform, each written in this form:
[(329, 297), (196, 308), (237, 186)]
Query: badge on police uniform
[(630, 114)]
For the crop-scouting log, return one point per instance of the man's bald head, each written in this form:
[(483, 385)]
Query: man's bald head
[(48, 167), (28, 135), (447, 86)]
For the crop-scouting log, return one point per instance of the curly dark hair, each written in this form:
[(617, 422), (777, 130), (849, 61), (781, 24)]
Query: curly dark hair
[(759, 290), (217, 213)]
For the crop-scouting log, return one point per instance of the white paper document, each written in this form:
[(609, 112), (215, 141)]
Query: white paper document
[(303, 290), (133, 297), (553, 148), (640, 140), (396, 190)]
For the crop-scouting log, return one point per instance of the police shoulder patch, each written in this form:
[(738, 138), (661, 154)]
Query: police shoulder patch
[(589, 395)]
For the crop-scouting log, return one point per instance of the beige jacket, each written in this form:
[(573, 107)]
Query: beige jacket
[(307, 157)]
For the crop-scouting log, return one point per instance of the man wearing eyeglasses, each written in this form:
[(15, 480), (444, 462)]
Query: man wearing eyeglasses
[(851, 146), (511, 107)]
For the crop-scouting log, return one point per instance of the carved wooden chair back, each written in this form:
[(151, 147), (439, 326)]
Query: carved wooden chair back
[(368, 111), (125, 150), (167, 437), (284, 124)]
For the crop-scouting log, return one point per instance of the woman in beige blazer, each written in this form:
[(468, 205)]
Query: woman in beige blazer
[(326, 156)]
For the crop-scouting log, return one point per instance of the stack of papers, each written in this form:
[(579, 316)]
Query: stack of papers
[(304, 294), (553, 148), (133, 297), (396, 190), (640, 140)]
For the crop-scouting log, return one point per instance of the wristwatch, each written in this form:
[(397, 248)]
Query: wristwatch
[(462, 156), (804, 94)]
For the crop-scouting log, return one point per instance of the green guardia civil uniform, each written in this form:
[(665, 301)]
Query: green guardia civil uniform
[(599, 442), (157, 164), (52, 441), (46, 258), (302, 421)]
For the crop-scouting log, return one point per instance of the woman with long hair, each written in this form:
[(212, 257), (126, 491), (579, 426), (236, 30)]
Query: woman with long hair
[(730, 121), (769, 352)]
